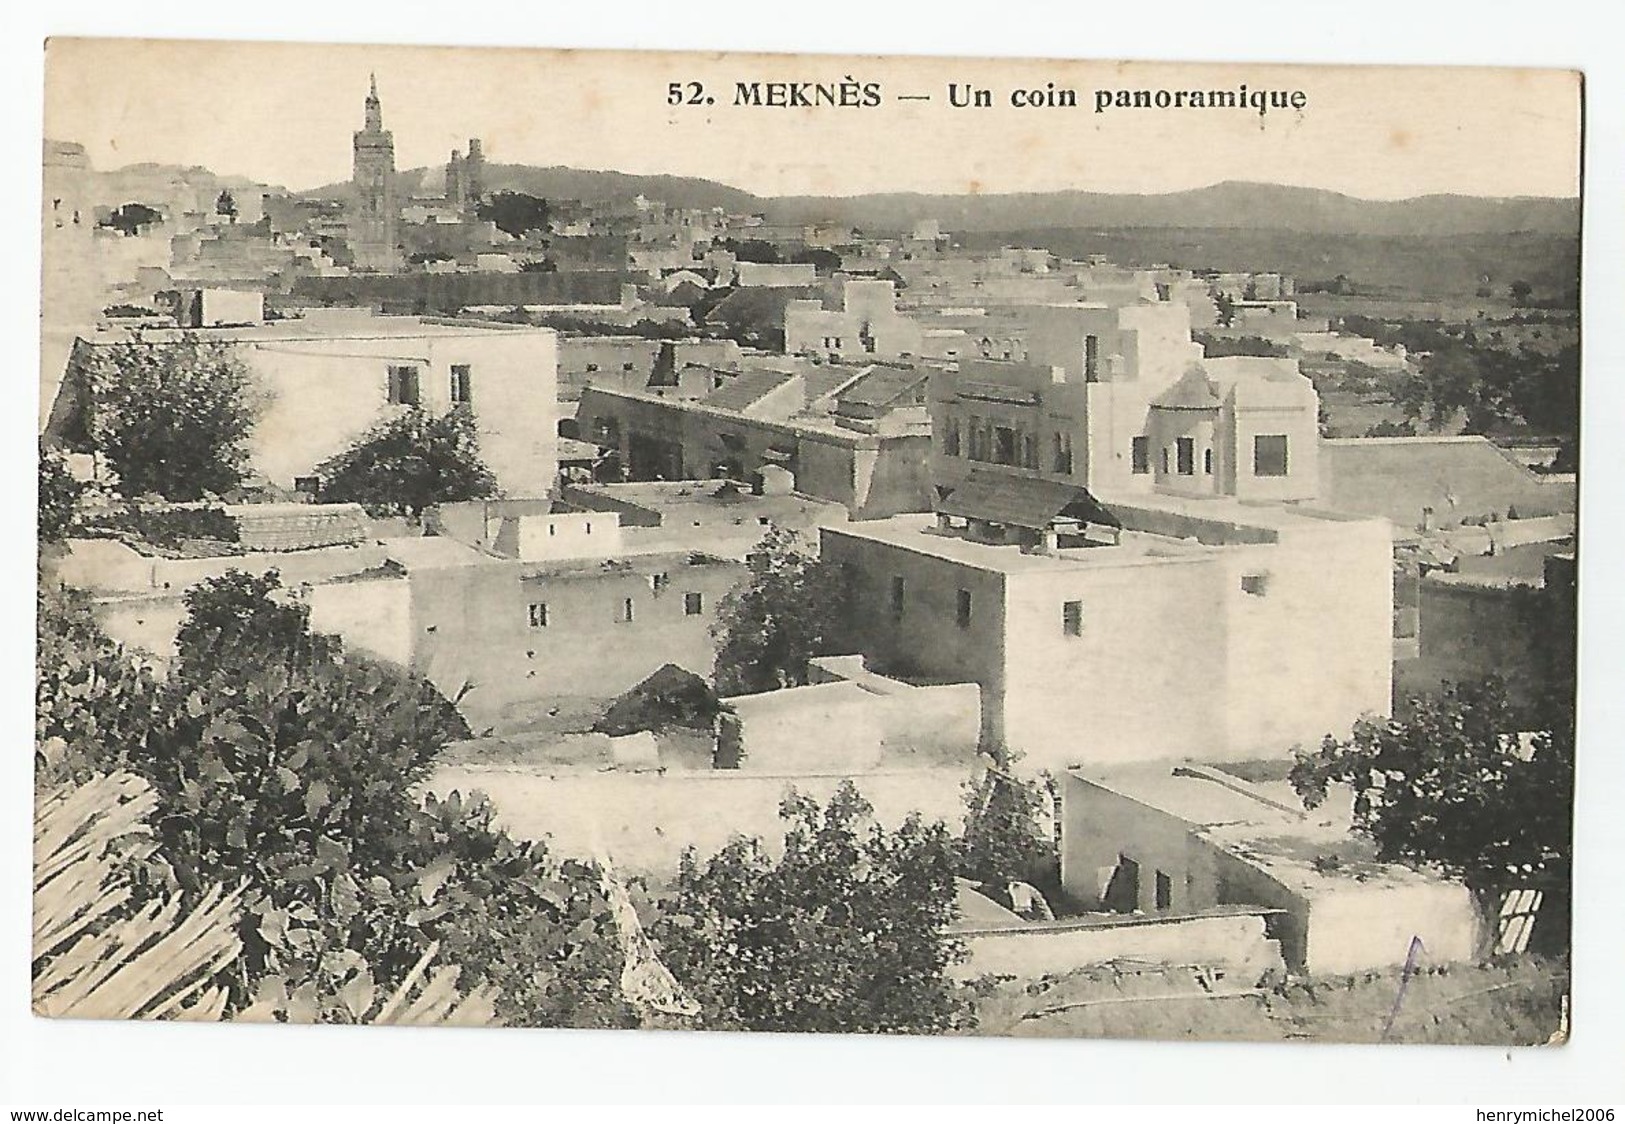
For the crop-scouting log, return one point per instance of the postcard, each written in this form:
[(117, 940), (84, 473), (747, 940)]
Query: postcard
[(806, 543)]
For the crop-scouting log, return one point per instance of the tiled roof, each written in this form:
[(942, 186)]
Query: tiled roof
[(1018, 502)]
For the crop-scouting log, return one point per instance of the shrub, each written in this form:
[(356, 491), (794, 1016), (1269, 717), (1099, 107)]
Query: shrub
[(59, 496), (408, 463), (169, 527), (847, 932)]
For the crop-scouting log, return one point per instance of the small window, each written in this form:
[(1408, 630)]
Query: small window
[(1207, 462), (962, 614), (628, 611), (1165, 892), (1255, 584), (1072, 618), (1004, 445), (1091, 358), (538, 614), (462, 385), (1165, 460), (659, 582), (1063, 454), (898, 592), (950, 444), (693, 604), (403, 386), (1185, 455), (307, 485), (588, 525), (591, 367), (626, 366), (1269, 454), (1140, 455)]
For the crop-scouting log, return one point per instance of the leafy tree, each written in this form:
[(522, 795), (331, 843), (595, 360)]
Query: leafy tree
[(1004, 838), (514, 212), (170, 418), (825, 261), (235, 616), (1214, 347), (847, 932), (225, 205), (768, 629), (1520, 291), (1225, 309), (1545, 390), (1454, 786), (408, 463), (756, 250), (59, 496)]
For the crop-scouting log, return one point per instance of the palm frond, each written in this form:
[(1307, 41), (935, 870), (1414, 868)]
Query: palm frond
[(428, 998), (92, 959)]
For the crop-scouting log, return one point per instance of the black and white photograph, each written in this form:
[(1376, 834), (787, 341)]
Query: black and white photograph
[(663, 541)]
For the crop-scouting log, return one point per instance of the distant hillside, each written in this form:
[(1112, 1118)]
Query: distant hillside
[(1224, 206), (1247, 206), (1454, 265), (588, 186)]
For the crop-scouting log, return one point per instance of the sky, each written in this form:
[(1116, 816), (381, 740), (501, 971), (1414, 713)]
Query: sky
[(284, 114)]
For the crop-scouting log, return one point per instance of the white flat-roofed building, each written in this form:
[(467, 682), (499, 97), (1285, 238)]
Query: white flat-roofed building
[(332, 374)]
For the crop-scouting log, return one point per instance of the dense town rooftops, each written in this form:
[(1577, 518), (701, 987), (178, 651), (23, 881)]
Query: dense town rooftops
[(823, 427), (322, 324)]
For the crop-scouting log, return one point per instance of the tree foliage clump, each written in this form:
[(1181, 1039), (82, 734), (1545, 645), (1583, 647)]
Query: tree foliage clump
[(1491, 383), (845, 933), (408, 463), (59, 496), (1469, 784), (132, 219), (286, 766), (1006, 838), (514, 212), (1214, 346), (170, 418), (768, 629)]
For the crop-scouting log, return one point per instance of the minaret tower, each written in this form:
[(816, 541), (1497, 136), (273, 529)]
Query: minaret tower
[(374, 233)]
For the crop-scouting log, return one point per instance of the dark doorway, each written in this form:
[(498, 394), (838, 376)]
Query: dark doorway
[(1123, 891)]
